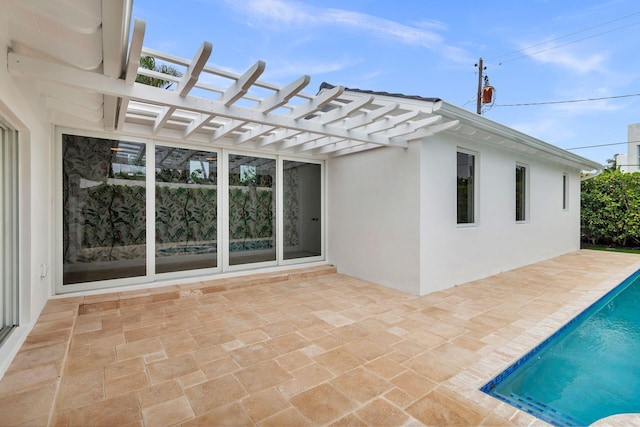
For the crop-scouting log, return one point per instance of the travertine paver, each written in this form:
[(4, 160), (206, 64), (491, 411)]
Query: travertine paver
[(320, 349)]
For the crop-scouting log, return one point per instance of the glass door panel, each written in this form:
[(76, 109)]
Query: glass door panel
[(8, 231), (104, 205), (252, 209), (302, 209), (186, 209)]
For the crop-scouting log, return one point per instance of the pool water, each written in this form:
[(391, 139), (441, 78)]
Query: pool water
[(588, 370)]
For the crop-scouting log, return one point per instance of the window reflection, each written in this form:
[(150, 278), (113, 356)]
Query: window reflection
[(302, 212), (186, 209), (104, 220), (252, 216)]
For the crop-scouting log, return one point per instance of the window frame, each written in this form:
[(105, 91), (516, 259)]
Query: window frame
[(524, 209), (152, 277), (565, 191), (9, 231), (474, 187)]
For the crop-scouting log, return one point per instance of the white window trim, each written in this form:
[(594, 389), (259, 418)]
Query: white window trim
[(152, 279), (527, 196), (565, 191), (280, 221), (476, 187)]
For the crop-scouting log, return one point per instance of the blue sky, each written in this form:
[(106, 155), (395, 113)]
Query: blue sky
[(534, 50)]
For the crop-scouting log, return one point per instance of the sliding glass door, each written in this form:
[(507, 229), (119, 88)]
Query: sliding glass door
[(252, 209), (302, 209), (186, 209), (103, 208), (8, 231), (197, 212)]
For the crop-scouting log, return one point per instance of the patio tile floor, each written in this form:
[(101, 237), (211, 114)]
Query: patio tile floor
[(315, 349)]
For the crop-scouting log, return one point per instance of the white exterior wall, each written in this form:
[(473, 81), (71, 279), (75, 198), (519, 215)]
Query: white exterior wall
[(35, 199), (453, 254), (373, 216)]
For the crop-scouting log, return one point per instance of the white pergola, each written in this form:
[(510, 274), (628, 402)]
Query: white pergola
[(85, 67)]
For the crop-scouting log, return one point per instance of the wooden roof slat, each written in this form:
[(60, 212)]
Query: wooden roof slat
[(318, 144), (432, 130), (238, 89), (369, 117), (135, 51), (196, 66), (283, 95), (389, 122), (162, 119), (277, 137), (253, 133), (345, 110), (407, 128), (198, 123), (316, 103), (300, 139)]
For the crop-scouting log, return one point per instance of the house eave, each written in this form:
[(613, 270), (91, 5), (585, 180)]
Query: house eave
[(504, 136)]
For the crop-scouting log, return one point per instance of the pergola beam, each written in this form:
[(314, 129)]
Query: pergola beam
[(345, 110), (389, 122), (21, 65), (432, 130), (242, 85), (407, 128), (192, 74), (253, 133), (226, 129), (162, 119), (277, 137), (369, 117), (135, 51), (283, 95), (201, 121), (316, 103)]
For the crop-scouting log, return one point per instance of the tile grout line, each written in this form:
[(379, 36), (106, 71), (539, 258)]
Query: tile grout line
[(63, 366)]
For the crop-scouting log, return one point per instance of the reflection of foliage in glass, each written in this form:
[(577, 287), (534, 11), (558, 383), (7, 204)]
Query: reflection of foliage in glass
[(248, 174)]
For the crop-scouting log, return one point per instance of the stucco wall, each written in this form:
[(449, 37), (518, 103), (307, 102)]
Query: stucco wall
[(453, 254), (35, 202), (373, 212)]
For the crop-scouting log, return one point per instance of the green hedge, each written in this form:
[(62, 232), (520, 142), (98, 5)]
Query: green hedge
[(610, 209)]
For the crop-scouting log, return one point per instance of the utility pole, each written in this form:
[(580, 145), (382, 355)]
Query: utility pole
[(480, 70)]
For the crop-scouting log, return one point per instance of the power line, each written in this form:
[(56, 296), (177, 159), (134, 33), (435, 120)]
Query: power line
[(565, 36), (527, 104), (601, 145), (526, 55)]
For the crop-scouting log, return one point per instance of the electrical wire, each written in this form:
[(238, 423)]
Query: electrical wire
[(601, 145), (565, 36), (527, 104), (526, 55)]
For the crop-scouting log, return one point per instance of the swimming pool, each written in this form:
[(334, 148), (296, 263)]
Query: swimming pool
[(588, 370)]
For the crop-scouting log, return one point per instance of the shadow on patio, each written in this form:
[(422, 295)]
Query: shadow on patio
[(307, 348)]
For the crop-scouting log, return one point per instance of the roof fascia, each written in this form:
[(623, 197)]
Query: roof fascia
[(482, 123)]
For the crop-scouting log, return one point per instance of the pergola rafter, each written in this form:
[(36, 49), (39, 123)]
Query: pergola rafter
[(230, 109)]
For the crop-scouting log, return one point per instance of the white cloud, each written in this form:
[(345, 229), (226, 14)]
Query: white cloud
[(565, 57), (278, 69), (277, 14), (546, 129)]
